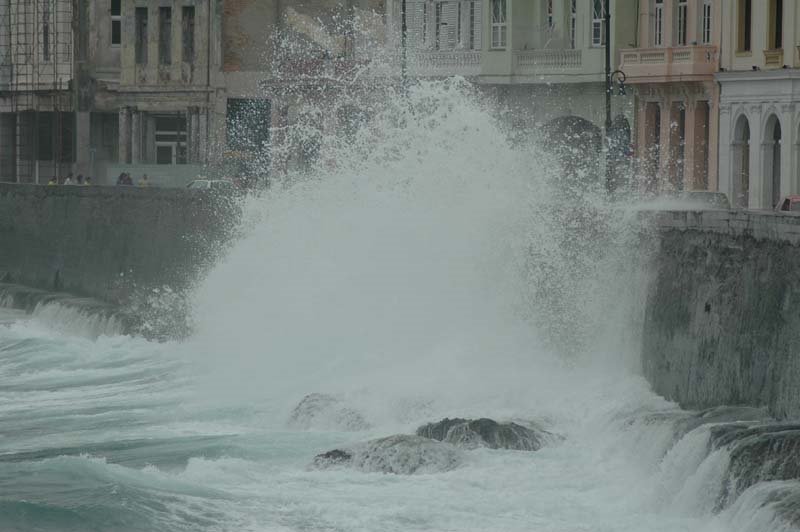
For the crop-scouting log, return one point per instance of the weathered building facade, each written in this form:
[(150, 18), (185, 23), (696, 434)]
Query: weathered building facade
[(677, 110), (759, 148)]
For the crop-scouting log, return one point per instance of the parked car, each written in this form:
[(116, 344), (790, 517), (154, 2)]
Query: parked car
[(789, 204), (211, 184)]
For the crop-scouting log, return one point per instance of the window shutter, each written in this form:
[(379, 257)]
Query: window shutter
[(478, 24), (414, 23), (450, 16)]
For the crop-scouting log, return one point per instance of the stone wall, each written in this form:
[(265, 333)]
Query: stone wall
[(110, 242), (722, 324)]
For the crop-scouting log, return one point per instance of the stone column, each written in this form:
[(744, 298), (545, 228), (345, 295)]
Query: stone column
[(690, 147), (124, 136), (756, 199), (788, 139), (202, 136), (725, 154), (136, 136)]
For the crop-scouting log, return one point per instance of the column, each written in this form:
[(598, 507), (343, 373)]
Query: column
[(664, 144), (136, 136), (725, 154), (756, 198), (202, 136), (691, 150), (124, 137), (788, 140)]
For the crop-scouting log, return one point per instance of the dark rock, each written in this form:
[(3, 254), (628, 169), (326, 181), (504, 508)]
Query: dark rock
[(757, 454), (400, 454), (471, 434), (332, 458), (325, 412)]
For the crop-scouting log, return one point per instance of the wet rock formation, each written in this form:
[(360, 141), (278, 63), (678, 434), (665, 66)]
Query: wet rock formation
[(325, 412), (400, 454), (475, 433)]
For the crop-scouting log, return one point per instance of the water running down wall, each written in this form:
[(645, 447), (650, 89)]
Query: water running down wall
[(722, 324)]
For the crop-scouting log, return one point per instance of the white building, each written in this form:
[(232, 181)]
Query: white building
[(543, 59), (759, 150)]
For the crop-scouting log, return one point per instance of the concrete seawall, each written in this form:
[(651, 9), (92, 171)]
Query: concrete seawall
[(722, 324), (109, 242)]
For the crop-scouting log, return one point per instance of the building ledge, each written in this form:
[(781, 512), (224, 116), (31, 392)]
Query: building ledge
[(660, 65)]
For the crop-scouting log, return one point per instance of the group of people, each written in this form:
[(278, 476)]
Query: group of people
[(126, 180), (80, 180)]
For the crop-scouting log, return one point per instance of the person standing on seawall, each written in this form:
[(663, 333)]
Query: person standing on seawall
[(68, 180), (53, 181), (143, 182)]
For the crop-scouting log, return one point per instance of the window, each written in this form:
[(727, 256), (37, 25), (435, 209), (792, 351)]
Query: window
[(459, 35), (550, 20), (472, 25), (658, 23), (187, 20), (776, 24), (683, 11), (745, 20), (116, 22), (46, 31), (573, 22), (247, 124), (424, 23), (439, 22), (171, 139), (141, 35), (499, 27), (598, 23), (165, 35), (706, 22)]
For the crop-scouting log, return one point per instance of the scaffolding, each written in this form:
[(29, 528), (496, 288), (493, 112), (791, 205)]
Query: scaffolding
[(37, 118)]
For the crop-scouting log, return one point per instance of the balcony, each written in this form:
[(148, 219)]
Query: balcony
[(441, 63), (658, 65), (544, 62), (773, 58)]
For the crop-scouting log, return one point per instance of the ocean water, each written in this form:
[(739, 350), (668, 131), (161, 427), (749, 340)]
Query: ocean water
[(427, 268)]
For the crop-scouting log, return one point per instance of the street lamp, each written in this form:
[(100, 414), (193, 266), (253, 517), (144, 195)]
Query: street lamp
[(611, 185), (403, 43)]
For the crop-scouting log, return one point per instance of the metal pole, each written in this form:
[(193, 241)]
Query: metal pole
[(403, 41), (609, 176)]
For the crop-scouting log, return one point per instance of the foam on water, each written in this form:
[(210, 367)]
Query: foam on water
[(431, 268)]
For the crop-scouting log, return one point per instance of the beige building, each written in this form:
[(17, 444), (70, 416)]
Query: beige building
[(544, 59), (759, 150), (677, 99)]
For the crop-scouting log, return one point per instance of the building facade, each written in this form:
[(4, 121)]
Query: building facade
[(542, 58), (677, 99), (759, 154)]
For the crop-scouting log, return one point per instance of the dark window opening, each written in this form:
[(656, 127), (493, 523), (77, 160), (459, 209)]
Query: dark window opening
[(248, 123), (141, 35), (170, 137), (116, 22), (745, 24), (165, 35), (188, 34)]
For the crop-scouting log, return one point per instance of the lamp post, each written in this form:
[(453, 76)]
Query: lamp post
[(403, 42), (611, 184)]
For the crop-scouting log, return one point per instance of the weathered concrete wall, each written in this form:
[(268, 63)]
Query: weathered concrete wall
[(722, 324), (108, 242)]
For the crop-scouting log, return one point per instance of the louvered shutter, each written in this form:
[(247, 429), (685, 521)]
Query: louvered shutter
[(450, 16), (477, 6), (414, 23)]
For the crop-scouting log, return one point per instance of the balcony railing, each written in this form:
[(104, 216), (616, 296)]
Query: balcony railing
[(444, 63), (683, 61), (534, 62), (773, 58)]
